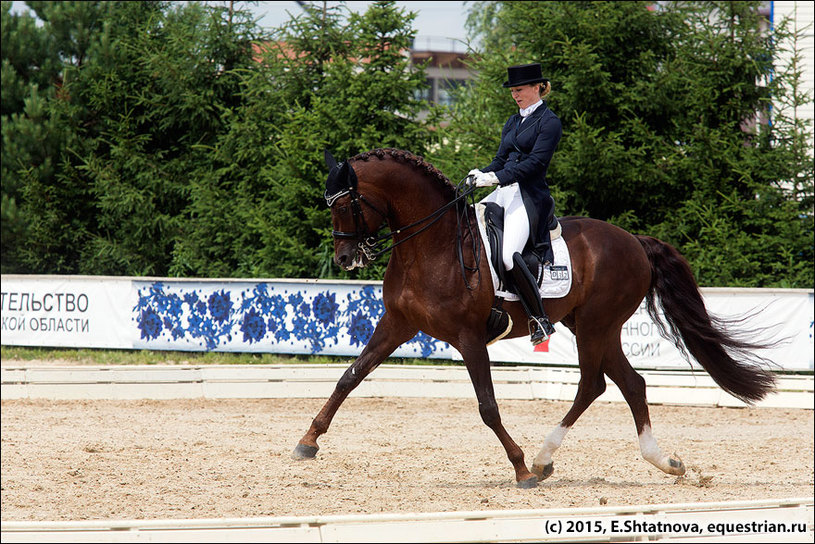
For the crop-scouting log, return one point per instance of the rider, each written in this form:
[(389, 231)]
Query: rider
[(528, 141)]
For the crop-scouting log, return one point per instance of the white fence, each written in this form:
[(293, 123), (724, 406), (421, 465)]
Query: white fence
[(784, 520), (318, 381)]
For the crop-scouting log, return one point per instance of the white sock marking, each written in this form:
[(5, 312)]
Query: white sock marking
[(552, 442), (653, 454)]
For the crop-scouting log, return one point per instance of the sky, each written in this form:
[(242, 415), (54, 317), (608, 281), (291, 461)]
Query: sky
[(438, 25)]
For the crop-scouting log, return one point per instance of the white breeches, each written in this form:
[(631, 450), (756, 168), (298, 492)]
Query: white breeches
[(516, 223)]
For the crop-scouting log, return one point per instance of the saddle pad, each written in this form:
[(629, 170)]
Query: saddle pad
[(557, 278)]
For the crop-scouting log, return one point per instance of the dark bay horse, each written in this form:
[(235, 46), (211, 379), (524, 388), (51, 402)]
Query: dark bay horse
[(427, 289)]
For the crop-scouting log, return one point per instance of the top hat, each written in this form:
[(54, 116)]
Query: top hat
[(524, 74)]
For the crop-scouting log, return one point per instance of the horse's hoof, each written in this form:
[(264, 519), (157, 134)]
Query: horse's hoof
[(528, 483), (676, 466), (543, 471), (304, 452)]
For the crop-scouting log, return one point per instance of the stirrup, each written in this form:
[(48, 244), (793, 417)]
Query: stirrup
[(539, 330)]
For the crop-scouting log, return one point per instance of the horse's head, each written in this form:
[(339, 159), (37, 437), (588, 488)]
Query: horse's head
[(354, 217)]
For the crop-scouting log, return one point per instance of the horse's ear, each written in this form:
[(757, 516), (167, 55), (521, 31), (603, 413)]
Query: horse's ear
[(330, 161), (351, 175)]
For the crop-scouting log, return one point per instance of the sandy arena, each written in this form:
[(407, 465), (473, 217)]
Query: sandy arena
[(75, 460)]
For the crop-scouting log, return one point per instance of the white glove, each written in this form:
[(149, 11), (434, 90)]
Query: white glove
[(486, 179), (470, 179)]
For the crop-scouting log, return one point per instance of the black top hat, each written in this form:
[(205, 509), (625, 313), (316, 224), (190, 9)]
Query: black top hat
[(524, 74)]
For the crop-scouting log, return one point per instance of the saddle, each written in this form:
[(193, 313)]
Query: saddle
[(537, 260)]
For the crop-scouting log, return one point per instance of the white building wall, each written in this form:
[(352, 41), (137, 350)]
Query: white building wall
[(801, 16)]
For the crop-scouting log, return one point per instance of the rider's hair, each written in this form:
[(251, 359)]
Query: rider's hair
[(545, 88)]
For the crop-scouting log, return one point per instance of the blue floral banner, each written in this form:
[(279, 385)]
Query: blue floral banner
[(279, 317), (332, 318)]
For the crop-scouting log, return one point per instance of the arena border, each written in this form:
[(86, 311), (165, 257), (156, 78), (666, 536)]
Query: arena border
[(318, 381), (748, 521), (309, 381)]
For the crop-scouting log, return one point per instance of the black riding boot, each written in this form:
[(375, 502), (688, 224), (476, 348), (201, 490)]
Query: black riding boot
[(539, 325)]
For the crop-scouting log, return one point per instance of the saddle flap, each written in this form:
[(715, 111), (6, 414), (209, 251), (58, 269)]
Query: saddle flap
[(493, 221), (554, 281), (494, 225)]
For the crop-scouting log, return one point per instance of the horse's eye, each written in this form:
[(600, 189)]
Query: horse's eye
[(342, 209)]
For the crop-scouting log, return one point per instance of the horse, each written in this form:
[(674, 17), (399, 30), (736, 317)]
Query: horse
[(432, 285)]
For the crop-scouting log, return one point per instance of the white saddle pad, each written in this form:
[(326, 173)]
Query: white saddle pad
[(557, 278)]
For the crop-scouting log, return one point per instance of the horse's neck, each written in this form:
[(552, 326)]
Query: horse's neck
[(428, 249), (412, 198), (415, 198), (418, 208)]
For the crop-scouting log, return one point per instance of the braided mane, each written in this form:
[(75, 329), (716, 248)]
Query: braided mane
[(406, 157)]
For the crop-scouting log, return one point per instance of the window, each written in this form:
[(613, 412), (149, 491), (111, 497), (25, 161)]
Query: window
[(446, 86)]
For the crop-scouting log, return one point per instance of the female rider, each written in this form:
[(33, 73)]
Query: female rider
[(528, 141)]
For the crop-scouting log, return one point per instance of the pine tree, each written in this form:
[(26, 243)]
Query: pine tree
[(144, 88), (326, 80), (30, 71), (664, 113)]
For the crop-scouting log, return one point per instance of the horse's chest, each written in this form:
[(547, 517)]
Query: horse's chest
[(439, 305)]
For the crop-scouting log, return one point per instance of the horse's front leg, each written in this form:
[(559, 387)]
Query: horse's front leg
[(388, 335), (478, 366)]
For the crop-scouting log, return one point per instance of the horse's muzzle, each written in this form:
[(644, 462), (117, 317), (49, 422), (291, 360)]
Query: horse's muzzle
[(350, 257)]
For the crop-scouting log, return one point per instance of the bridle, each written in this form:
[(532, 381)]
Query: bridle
[(367, 243), (376, 244)]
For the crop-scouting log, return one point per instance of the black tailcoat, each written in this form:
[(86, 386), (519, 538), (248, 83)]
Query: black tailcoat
[(523, 157)]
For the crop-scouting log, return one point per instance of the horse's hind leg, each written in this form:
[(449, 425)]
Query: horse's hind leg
[(632, 386), (388, 335), (592, 384)]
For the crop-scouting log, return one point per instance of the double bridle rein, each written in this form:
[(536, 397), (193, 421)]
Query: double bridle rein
[(377, 244)]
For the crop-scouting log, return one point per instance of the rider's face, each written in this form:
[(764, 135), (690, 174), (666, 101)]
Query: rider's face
[(525, 95)]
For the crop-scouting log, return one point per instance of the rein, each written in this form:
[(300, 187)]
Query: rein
[(374, 246)]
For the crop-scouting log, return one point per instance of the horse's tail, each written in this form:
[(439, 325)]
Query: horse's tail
[(726, 357)]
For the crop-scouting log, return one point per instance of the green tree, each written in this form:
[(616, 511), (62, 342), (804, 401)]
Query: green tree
[(56, 212), (30, 69), (141, 100), (739, 224), (327, 79), (663, 113)]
